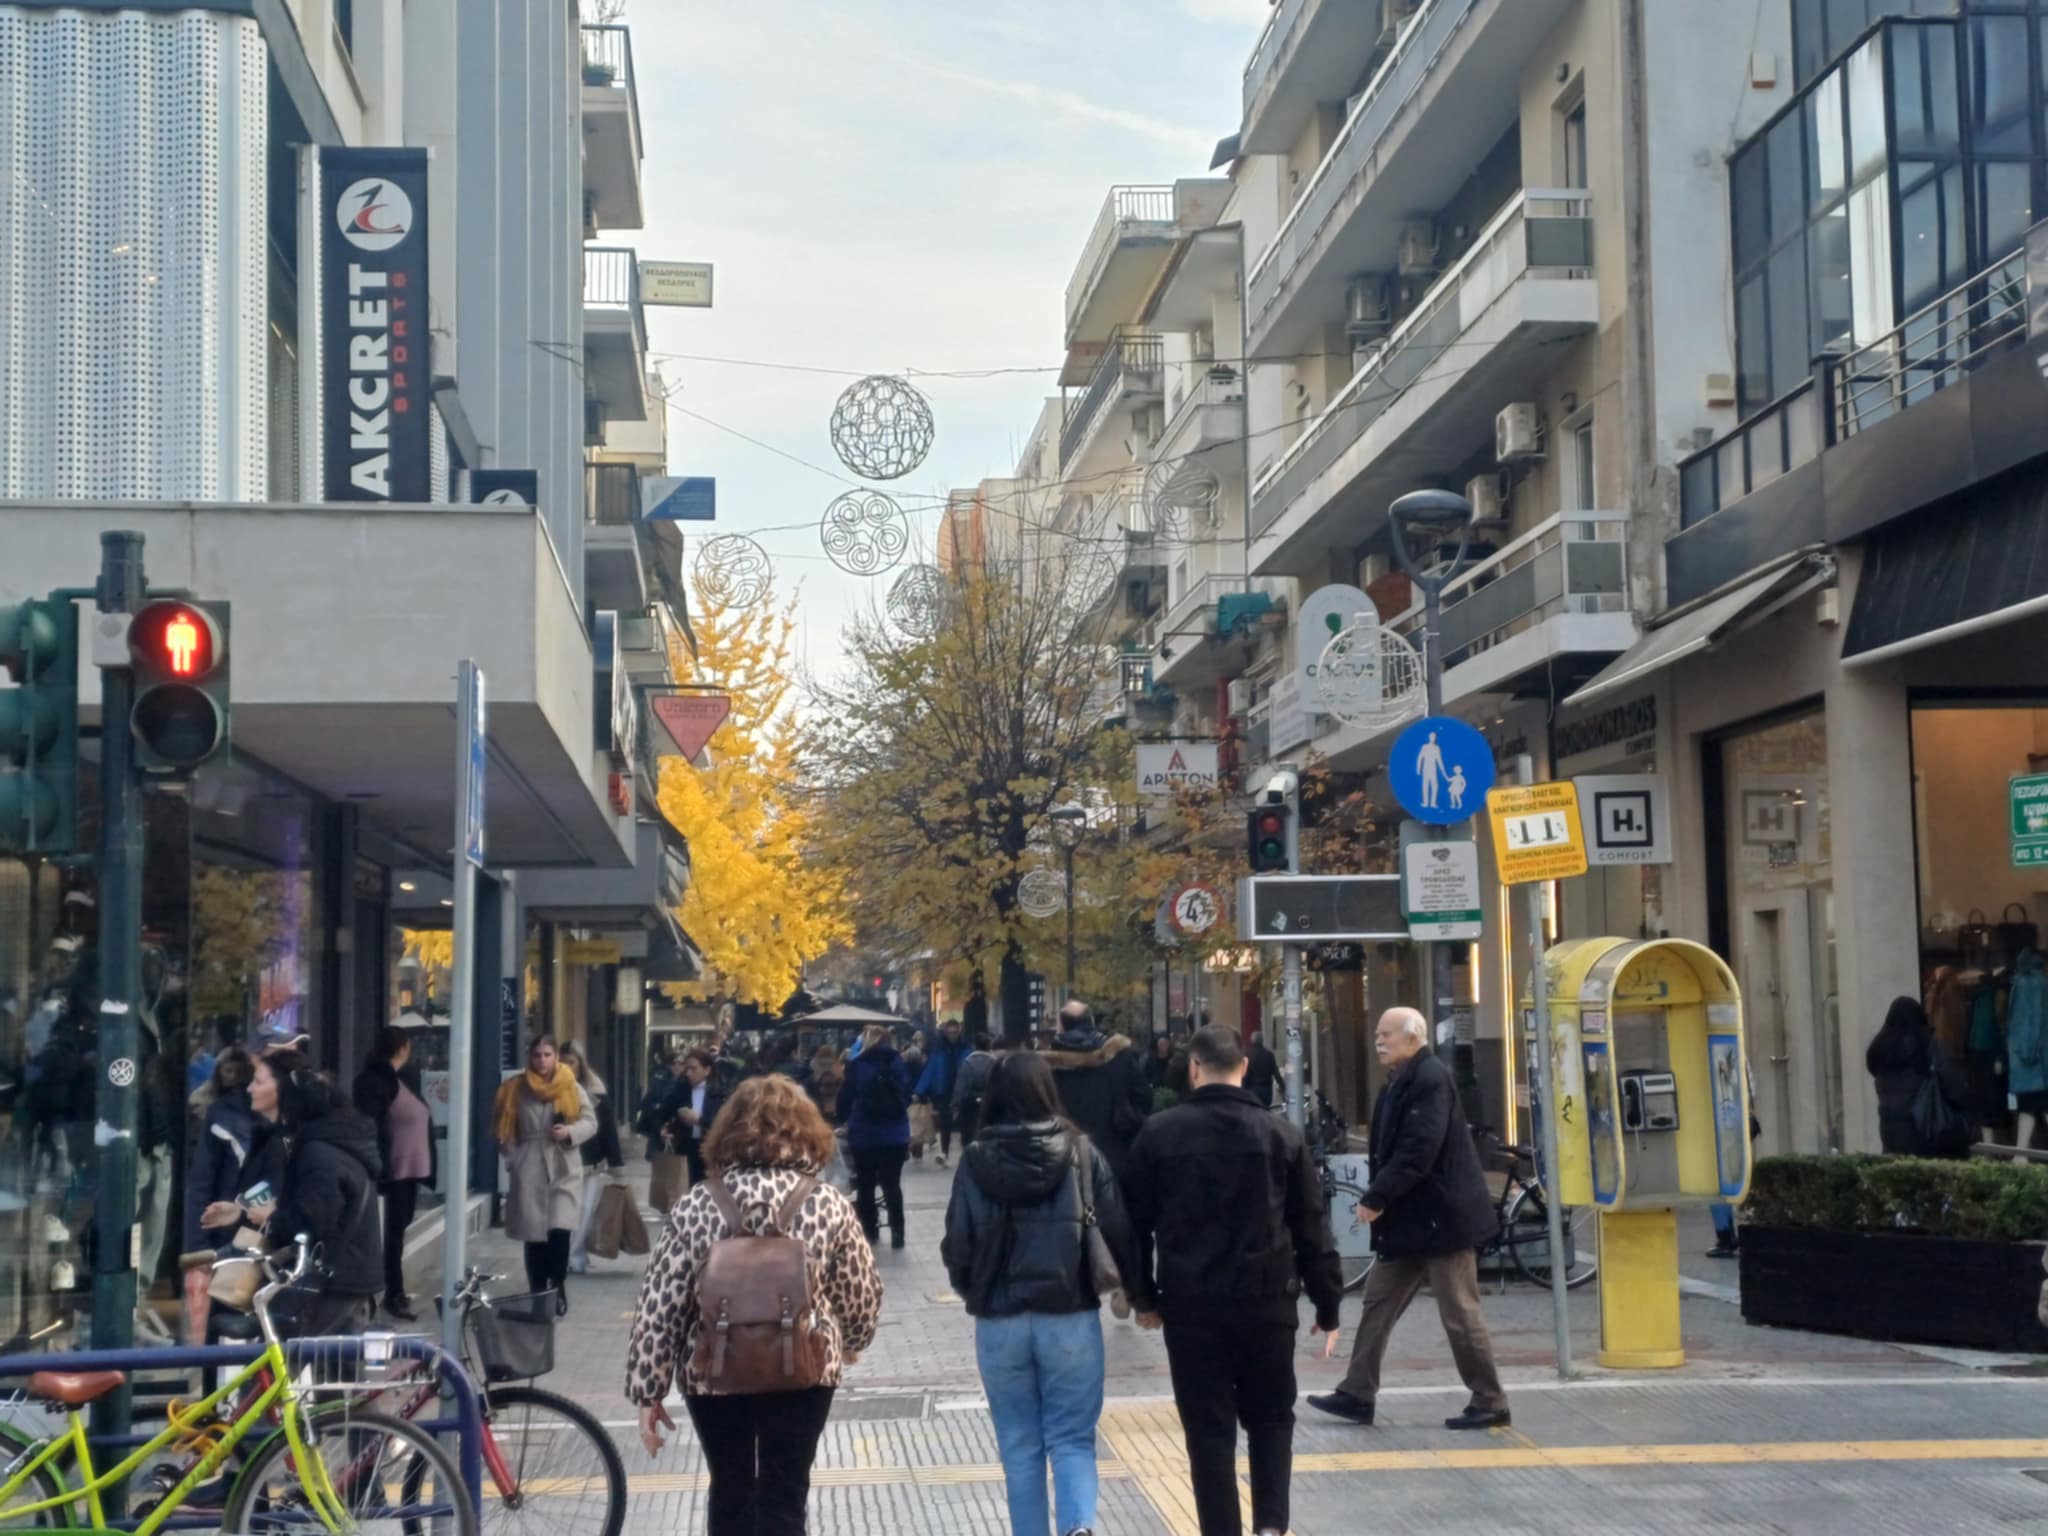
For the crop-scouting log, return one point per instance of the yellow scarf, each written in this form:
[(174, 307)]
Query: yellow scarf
[(561, 1089)]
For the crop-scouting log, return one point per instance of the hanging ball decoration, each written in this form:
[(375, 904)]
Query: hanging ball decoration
[(882, 428), (1176, 493), (864, 532), (733, 570), (917, 601), (1042, 892)]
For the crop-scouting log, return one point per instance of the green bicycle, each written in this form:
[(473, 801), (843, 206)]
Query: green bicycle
[(338, 1468)]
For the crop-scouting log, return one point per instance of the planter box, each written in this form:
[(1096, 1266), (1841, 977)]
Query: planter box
[(1895, 1286)]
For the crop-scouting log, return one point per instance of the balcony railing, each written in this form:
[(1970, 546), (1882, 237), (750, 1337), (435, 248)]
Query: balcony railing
[(1571, 562), (1400, 75), (614, 495), (1178, 628), (1123, 206), (611, 280), (608, 61), (1518, 240), (1928, 351), (1274, 43), (1191, 387), (1132, 359)]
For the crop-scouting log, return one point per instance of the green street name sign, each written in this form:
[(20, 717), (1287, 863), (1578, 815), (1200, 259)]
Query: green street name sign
[(2029, 820)]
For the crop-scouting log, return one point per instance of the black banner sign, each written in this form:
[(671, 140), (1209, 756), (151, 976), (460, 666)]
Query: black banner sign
[(376, 372)]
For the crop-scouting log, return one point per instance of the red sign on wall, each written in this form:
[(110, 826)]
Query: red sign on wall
[(691, 719)]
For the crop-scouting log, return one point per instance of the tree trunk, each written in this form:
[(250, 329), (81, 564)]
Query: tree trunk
[(1013, 992)]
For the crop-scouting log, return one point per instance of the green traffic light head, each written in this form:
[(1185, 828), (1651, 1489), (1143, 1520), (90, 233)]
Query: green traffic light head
[(30, 638)]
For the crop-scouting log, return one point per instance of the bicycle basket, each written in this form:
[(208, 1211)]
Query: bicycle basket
[(515, 1336)]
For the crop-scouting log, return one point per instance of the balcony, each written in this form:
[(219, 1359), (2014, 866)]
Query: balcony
[(1475, 342), (1312, 51), (1126, 251), (614, 573), (1924, 411), (1442, 96), (648, 641), (614, 334), (1559, 590), (611, 131), (1191, 651), (1131, 371), (1204, 412)]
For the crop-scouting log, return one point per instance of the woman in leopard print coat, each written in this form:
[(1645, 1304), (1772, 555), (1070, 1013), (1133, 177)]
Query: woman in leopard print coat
[(758, 1447)]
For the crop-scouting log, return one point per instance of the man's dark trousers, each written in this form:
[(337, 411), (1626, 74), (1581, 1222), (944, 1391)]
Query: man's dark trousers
[(1231, 1367)]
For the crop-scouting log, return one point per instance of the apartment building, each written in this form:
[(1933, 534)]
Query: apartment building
[(192, 196)]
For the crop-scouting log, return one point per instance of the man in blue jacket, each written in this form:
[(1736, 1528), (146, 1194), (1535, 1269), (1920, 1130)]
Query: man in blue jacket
[(935, 1084)]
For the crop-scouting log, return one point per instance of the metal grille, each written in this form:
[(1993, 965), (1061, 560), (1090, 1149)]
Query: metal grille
[(133, 316), (437, 457)]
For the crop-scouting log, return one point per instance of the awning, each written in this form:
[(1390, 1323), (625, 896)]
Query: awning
[(1701, 623), (1956, 568)]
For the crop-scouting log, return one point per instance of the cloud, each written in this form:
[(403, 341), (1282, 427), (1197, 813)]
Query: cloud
[(1070, 104), (1229, 12)]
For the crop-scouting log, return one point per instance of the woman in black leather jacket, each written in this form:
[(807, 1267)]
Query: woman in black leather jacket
[(1016, 1250)]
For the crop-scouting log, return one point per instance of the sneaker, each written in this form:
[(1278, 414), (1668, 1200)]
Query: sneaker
[(1119, 1306), (400, 1307), (939, 1160), (1343, 1405), (1479, 1418), (1722, 1251), (54, 1230)]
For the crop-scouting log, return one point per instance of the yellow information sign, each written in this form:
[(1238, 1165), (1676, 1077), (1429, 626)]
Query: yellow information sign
[(1537, 834), (591, 952)]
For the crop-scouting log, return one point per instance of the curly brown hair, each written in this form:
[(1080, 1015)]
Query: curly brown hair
[(769, 1122)]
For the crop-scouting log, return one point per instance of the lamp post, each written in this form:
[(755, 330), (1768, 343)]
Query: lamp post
[(1422, 523), (1071, 820)]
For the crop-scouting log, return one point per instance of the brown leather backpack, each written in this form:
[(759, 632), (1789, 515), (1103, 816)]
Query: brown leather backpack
[(757, 1330)]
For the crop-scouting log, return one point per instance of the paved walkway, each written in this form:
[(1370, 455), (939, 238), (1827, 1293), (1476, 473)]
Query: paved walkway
[(1762, 1430)]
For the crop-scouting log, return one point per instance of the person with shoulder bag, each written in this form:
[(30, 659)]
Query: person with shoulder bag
[(604, 1159), (1035, 1236), (874, 1106), (761, 1291), (1920, 1093)]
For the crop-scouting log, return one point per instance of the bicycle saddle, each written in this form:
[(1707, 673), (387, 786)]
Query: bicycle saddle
[(74, 1389)]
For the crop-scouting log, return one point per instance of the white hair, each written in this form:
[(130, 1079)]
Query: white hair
[(1410, 1021)]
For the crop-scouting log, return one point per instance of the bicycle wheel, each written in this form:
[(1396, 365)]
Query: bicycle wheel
[(1355, 1255), (1528, 1232), (18, 1447), (389, 1477), (550, 1467)]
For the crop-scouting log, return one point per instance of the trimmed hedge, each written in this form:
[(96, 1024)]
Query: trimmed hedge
[(1993, 1201)]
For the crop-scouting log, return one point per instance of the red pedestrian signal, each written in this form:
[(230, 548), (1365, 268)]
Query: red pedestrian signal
[(179, 650)]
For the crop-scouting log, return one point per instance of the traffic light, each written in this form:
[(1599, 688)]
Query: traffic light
[(39, 727), (1267, 826), (179, 650)]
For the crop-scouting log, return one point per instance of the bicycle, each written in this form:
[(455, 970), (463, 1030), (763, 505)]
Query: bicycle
[(1522, 1221), (1345, 1176), (334, 1467)]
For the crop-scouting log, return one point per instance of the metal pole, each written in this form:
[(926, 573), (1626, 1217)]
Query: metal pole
[(1553, 1210), (469, 725), (1290, 1001), (1070, 917), (1440, 983), (119, 1090)]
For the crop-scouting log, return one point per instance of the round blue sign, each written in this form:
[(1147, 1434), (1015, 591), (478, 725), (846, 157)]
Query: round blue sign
[(1441, 770)]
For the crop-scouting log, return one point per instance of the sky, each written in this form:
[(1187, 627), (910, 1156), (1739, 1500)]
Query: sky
[(886, 186)]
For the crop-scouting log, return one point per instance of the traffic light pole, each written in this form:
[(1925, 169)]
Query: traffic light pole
[(1440, 958), (116, 1097), (1290, 959)]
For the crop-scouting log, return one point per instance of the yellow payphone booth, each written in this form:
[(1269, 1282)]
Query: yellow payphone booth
[(1652, 1102)]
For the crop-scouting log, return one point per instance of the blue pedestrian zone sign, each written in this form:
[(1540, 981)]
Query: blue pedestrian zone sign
[(1441, 770)]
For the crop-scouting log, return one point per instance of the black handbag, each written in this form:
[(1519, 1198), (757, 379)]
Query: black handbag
[(1938, 1125), (1974, 937), (2014, 937)]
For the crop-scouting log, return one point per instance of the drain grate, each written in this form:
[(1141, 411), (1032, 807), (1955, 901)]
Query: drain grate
[(882, 1405)]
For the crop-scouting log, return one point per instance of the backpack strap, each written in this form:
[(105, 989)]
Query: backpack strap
[(1084, 1180), (729, 1208), (785, 1219)]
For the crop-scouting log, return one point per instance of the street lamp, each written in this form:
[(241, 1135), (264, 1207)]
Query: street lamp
[(1072, 821), (1422, 523)]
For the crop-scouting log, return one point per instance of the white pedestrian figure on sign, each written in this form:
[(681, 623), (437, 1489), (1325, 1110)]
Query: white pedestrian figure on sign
[(1429, 765), (1456, 786)]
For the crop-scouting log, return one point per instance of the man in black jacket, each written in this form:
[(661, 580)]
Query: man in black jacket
[(1430, 1213), (1101, 1080), (1231, 1230)]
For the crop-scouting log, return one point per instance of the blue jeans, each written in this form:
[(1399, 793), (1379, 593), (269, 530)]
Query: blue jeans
[(1724, 1224), (1043, 1376)]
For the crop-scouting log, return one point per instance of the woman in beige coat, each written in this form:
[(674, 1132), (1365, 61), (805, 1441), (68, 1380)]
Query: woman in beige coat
[(543, 1117)]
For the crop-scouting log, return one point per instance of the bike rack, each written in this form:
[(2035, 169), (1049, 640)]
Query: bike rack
[(466, 1422)]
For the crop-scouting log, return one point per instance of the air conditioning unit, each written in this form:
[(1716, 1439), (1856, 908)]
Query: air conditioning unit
[(1368, 305), (1205, 345), (1518, 433), (1240, 697), (1418, 247), (1489, 508)]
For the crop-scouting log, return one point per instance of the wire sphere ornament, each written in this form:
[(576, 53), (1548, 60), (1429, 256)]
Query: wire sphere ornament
[(1042, 892), (917, 601), (1087, 577), (882, 428), (733, 571), (864, 532), (1176, 494), (1370, 676)]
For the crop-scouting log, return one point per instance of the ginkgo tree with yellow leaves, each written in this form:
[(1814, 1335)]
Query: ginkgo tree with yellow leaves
[(758, 906)]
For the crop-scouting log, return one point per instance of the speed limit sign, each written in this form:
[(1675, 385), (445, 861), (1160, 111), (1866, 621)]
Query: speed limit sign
[(1196, 909)]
